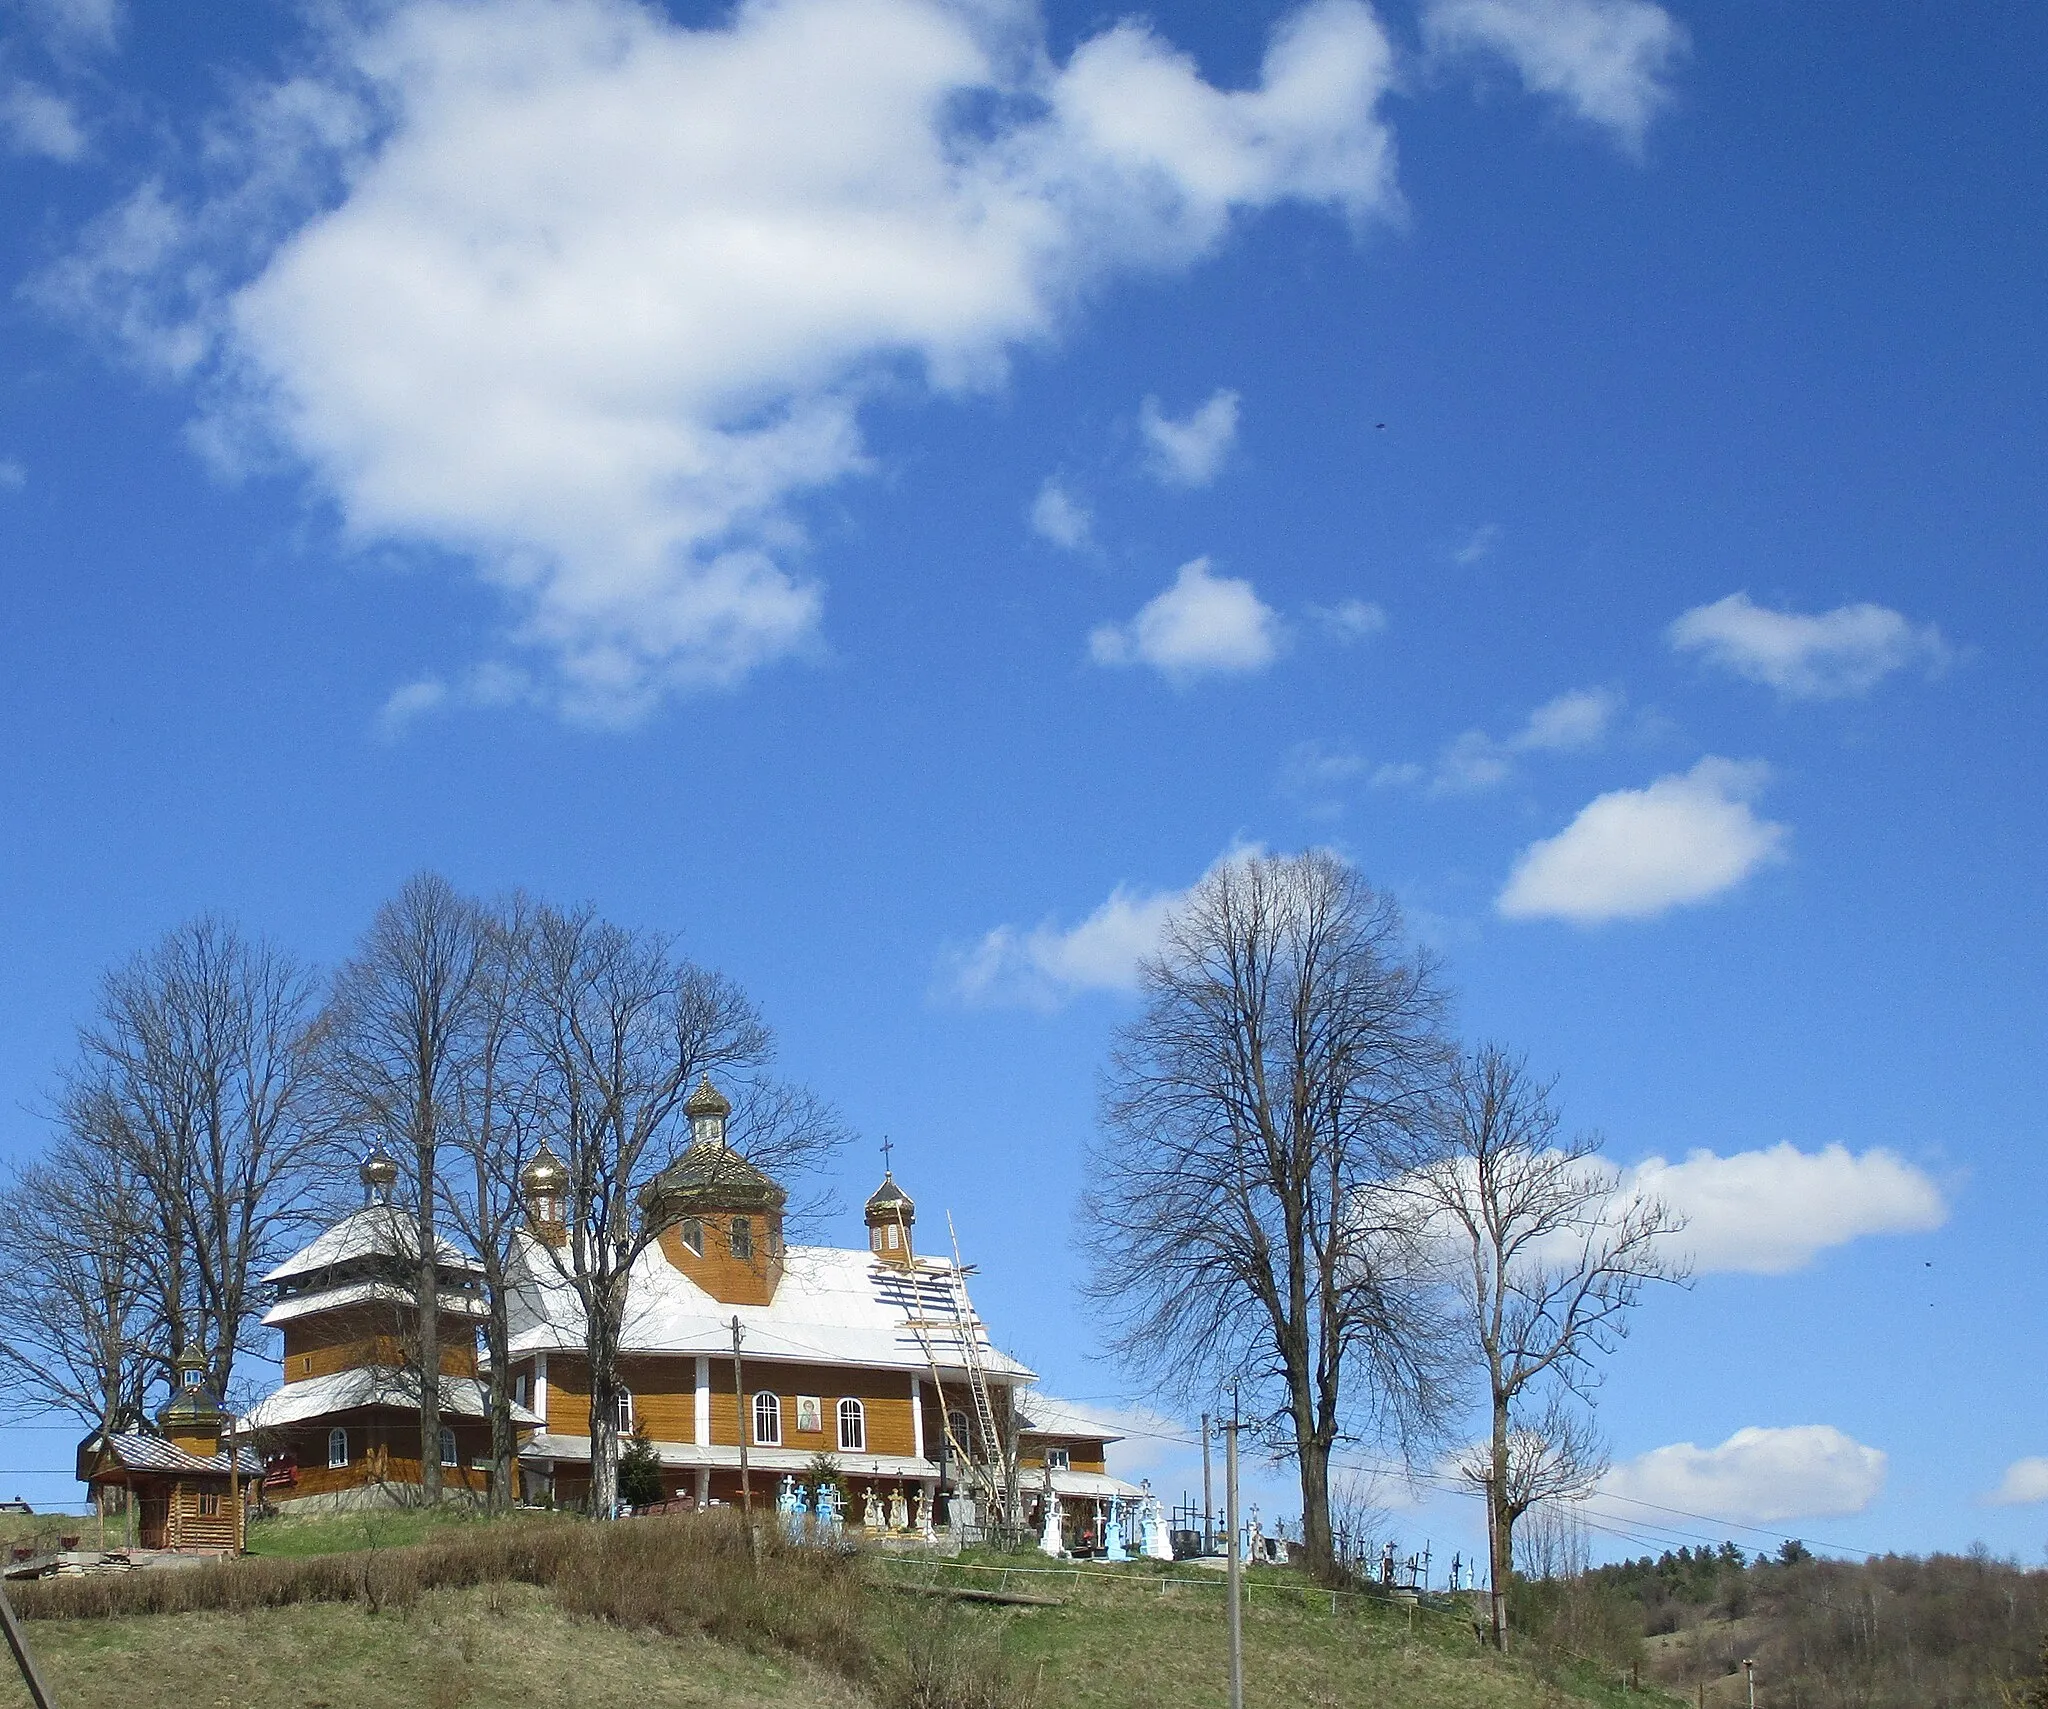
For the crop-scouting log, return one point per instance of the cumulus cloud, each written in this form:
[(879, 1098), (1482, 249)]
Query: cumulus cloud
[(1847, 651), (1761, 1475), (592, 300), (1605, 60), (1050, 963), (1774, 1210), (34, 120), (1634, 853), (1202, 625), (1057, 515), (2025, 1482), (1188, 452)]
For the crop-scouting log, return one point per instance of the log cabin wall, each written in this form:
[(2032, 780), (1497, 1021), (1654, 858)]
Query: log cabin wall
[(352, 1337), (664, 1390), (726, 1278)]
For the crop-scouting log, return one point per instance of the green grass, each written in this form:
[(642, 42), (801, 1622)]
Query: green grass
[(681, 1611)]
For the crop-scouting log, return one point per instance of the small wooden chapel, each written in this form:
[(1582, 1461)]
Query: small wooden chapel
[(180, 1490)]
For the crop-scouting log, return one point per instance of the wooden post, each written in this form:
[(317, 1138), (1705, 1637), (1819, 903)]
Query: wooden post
[(739, 1396), (37, 1690)]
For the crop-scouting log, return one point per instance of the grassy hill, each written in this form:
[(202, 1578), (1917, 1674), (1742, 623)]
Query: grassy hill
[(673, 1612)]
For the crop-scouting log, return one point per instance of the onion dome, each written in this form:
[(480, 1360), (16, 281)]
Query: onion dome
[(544, 1177), (708, 1177), (888, 1200), (379, 1175), (192, 1400), (706, 1110), (890, 1214)]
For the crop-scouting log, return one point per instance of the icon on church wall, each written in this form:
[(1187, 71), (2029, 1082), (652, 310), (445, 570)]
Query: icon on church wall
[(809, 1413)]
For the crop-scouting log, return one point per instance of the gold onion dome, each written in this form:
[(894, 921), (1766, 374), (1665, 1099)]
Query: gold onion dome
[(544, 1174), (379, 1170), (707, 1100)]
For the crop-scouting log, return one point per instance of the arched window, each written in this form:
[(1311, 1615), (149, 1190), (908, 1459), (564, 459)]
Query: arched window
[(447, 1446), (626, 1411), (337, 1447), (853, 1426), (742, 1237), (767, 1420), (692, 1233), (956, 1422)]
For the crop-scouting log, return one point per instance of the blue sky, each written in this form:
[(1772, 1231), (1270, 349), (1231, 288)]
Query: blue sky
[(893, 491)]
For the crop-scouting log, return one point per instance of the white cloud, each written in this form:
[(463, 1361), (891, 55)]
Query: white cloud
[(1843, 652), (36, 121), (1349, 619), (1773, 1210), (1634, 853), (1201, 625), (13, 476), (1760, 1476), (1060, 517), (1477, 544), (70, 25), (596, 299), (1473, 761), (1188, 452), (1606, 60), (1050, 963), (2025, 1482), (408, 704)]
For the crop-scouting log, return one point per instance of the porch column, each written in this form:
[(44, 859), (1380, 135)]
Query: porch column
[(703, 1486), (703, 1420)]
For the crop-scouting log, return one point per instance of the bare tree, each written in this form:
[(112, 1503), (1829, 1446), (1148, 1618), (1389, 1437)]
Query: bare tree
[(75, 1290), (194, 1076), (1552, 1253), (491, 1126), (397, 1053), (622, 1029), (1284, 1070)]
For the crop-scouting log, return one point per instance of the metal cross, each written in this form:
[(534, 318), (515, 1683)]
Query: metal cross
[(888, 1145)]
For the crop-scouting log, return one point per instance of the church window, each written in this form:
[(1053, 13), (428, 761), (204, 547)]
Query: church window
[(956, 1421), (448, 1447), (1058, 1459), (522, 1389), (692, 1232), (742, 1237), (875, 1237), (767, 1420), (895, 1237), (853, 1426), (626, 1411), (209, 1506), (337, 1447)]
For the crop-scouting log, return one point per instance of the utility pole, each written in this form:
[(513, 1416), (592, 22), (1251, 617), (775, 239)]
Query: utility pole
[(1233, 1567), (1208, 1496), (1749, 1678), (739, 1397)]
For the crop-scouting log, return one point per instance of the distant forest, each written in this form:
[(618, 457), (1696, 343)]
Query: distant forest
[(1892, 1632)]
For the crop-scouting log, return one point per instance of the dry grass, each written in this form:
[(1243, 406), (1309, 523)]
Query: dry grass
[(498, 1647)]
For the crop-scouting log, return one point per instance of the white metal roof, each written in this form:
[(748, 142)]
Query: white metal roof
[(1090, 1486), (834, 1305), (142, 1453), (375, 1293), (461, 1397), (375, 1231), (1045, 1415)]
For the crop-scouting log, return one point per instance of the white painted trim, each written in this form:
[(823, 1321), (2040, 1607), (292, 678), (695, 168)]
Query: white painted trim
[(540, 1387), (703, 1400), (917, 1417)]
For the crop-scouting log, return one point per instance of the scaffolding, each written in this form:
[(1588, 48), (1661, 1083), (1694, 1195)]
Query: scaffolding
[(938, 1309)]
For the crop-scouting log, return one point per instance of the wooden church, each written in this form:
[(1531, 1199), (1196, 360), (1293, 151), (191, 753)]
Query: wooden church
[(343, 1427), (183, 1489), (871, 1355)]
